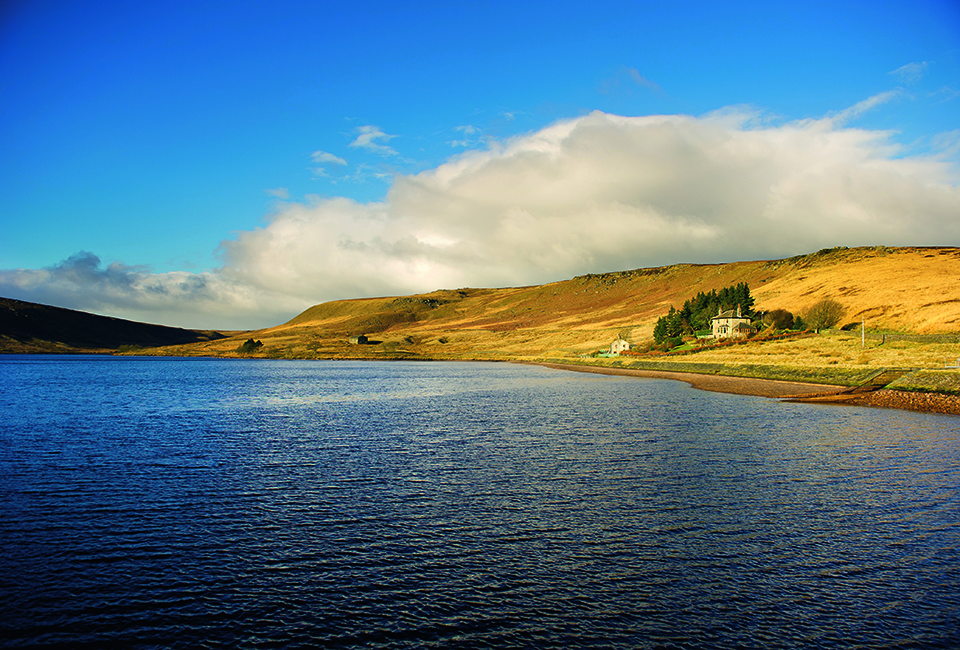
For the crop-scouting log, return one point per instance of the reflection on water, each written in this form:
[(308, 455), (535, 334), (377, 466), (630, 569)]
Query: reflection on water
[(200, 503)]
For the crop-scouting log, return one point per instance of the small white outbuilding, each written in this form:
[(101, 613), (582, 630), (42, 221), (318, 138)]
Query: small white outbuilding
[(619, 346)]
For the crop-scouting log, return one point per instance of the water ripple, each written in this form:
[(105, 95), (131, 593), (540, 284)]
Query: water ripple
[(213, 503)]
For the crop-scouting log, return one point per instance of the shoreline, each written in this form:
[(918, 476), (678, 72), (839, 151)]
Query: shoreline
[(941, 403), (715, 383)]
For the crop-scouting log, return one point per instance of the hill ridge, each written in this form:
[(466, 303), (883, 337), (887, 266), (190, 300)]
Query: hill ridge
[(905, 289), (28, 327)]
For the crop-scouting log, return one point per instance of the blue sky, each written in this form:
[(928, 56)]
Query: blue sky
[(215, 164)]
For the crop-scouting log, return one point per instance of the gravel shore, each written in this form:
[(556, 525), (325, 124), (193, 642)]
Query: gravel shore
[(909, 400), (801, 392), (715, 383)]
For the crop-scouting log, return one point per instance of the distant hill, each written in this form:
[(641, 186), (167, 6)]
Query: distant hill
[(914, 290), (27, 327), (891, 289)]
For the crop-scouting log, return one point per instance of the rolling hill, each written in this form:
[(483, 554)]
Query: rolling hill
[(27, 328), (914, 290)]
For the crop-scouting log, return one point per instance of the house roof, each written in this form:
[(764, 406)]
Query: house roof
[(730, 313)]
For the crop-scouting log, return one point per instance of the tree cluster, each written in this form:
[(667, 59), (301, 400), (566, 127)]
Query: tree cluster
[(695, 315)]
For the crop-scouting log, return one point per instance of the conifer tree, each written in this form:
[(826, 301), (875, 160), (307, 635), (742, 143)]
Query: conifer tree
[(695, 315)]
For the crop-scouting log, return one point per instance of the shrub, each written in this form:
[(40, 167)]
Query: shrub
[(779, 319), (249, 346)]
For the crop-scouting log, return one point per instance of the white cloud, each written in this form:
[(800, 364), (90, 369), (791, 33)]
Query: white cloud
[(945, 94), (624, 80), (324, 157), (366, 140), (911, 73), (466, 130), (858, 109), (592, 194), (604, 192), (207, 300), (640, 80), (947, 144), (279, 192)]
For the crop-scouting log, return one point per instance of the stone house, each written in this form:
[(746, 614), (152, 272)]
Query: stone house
[(730, 324)]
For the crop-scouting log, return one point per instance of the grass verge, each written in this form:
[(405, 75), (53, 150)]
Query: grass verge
[(929, 381)]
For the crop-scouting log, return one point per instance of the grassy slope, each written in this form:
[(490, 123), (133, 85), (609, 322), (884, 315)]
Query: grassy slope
[(909, 290)]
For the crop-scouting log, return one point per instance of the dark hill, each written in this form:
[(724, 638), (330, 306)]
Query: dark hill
[(28, 327)]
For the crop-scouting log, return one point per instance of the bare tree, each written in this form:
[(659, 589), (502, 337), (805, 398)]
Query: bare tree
[(823, 314)]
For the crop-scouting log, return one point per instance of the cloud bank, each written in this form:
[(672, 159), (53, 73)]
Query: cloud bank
[(596, 193)]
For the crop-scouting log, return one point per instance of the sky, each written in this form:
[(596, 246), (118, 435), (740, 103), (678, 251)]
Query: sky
[(226, 165)]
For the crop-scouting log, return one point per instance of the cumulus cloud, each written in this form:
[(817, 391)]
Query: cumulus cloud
[(596, 193), (207, 300), (604, 192), (367, 137)]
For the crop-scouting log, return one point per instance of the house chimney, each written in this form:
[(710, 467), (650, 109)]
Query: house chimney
[(738, 311)]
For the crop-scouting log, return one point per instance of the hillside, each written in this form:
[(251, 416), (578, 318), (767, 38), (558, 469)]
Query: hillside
[(27, 328), (914, 290)]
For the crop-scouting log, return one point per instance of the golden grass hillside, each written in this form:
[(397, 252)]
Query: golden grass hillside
[(891, 289)]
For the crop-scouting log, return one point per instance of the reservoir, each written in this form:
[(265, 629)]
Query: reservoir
[(221, 503)]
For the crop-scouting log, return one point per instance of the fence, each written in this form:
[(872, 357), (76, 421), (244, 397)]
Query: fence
[(899, 336)]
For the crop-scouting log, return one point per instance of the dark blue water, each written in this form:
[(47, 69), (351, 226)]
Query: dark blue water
[(199, 503)]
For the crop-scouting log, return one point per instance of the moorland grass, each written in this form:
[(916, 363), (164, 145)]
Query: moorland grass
[(930, 381)]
